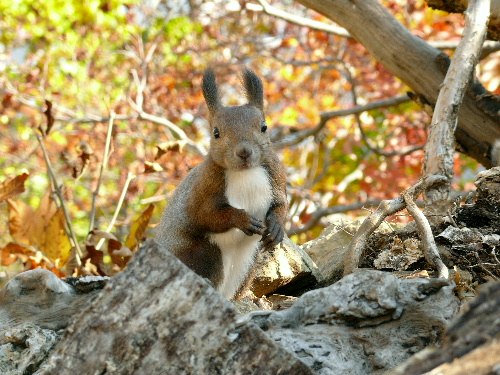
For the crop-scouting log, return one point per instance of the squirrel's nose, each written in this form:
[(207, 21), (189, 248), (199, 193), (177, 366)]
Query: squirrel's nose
[(243, 152)]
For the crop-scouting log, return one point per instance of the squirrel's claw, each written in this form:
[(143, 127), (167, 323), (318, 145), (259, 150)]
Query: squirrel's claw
[(274, 232), (255, 226)]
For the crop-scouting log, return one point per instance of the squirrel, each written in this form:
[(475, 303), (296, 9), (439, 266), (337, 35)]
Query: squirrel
[(234, 202)]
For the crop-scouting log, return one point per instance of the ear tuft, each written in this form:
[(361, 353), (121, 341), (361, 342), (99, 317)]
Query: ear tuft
[(254, 89), (210, 92)]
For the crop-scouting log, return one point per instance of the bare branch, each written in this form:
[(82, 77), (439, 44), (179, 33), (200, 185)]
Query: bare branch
[(138, 106), (298, 137), (410, 59), (439, 150), (130, 177), (488, 47), (58, 192), (405, 151), (322, 212), (104, 164)]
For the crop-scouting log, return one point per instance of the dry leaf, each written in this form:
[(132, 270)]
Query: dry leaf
[(56, 245), (43, 229), (24, 226), (139, 227), (12, 187), (176, 146), (152, 167)]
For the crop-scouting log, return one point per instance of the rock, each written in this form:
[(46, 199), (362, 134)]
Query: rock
[(329, 249), (286, 269), (41, 298), (24, 347), (366, 323), (466, 236)]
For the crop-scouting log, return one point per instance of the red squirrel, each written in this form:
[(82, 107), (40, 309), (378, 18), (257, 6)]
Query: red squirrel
[(234, 202)]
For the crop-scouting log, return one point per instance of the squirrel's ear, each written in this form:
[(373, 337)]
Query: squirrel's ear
[(210, 92), (253, 88)]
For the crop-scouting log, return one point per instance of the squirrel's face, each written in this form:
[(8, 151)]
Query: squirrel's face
[(239, 134), (239, 137)]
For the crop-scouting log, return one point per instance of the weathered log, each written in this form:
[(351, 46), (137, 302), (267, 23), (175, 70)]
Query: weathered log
[(158, 317), (366, 323), (471, 344)]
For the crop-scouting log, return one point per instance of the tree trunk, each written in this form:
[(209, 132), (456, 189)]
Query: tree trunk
[(419, 65)]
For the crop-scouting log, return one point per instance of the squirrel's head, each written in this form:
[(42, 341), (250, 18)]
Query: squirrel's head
[(239, 137)]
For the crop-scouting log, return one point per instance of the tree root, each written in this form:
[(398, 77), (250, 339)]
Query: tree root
[(390, 207)]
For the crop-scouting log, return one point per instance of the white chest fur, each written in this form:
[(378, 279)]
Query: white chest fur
[(250, 190)]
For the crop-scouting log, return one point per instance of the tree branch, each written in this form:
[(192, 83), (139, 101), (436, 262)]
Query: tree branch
[(299, 136), (440, 150), (58, 193), (104, 164), (424, 231), (298, 20), (414, 62), (461, 6)]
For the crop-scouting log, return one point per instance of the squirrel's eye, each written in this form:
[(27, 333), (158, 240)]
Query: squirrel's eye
[(263, 127), (216, 133)]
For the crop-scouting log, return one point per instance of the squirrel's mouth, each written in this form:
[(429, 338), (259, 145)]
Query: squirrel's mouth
[(243, 165)]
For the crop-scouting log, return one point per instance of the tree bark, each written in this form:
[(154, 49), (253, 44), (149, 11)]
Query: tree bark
[(439, 149), (158, 317), (419, 65)]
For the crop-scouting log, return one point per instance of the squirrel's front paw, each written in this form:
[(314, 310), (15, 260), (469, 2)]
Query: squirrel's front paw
[(274, 232), (252, 226)]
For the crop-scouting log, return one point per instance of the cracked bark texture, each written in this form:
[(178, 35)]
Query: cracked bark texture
[(158, 317), (366, 323)]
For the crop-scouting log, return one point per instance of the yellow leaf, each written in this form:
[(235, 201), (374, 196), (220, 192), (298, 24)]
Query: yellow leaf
[(56, 244), (12, 187), (138, 228)]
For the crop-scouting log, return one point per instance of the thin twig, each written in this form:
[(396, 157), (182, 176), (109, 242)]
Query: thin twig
[(104, 164), (322, 212), (130, 177), (57, 191), (481, 265), (366, 140), (138, 106)]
